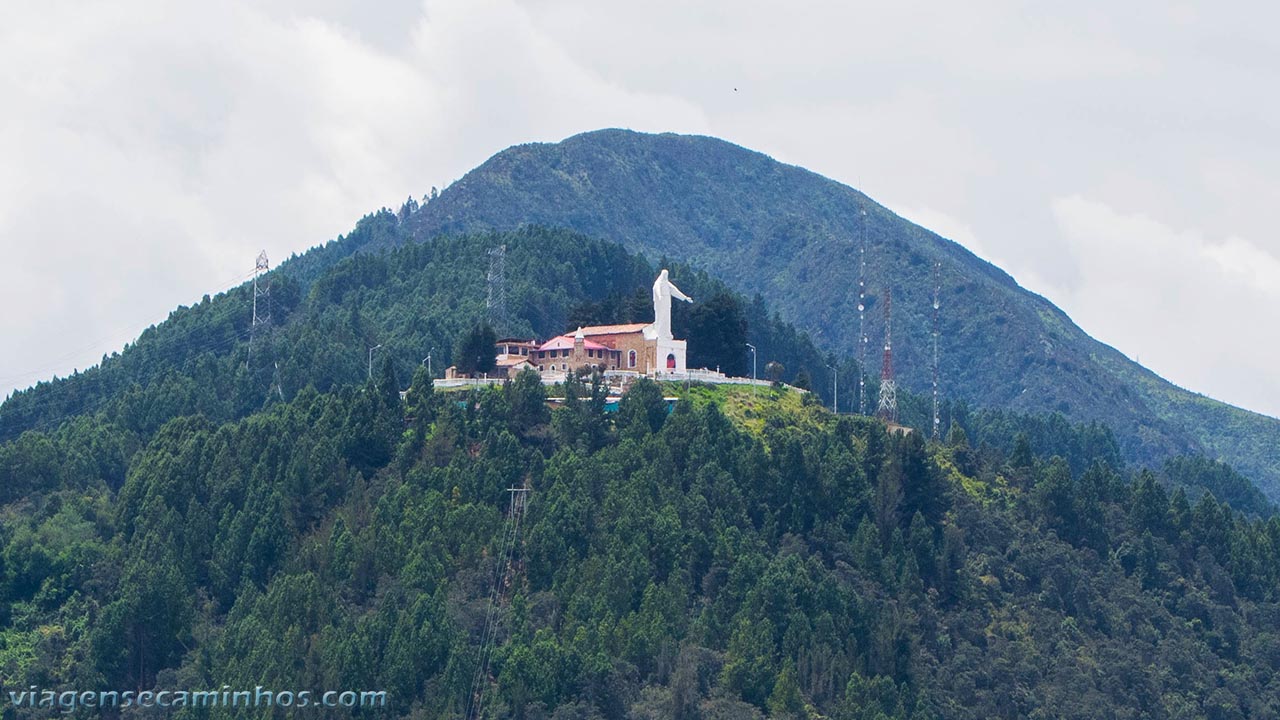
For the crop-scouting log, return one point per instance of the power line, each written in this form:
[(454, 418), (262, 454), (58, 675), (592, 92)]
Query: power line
[(18, 411), (168, 350), (488, 636), (195, 353), (134, 329)]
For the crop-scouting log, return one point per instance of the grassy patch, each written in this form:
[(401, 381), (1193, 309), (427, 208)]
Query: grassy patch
[(751, 407)]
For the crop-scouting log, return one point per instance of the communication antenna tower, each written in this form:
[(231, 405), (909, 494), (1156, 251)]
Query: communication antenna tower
[(888, 409), (497, 278), (862, 319), (937, 303), (261, 300)]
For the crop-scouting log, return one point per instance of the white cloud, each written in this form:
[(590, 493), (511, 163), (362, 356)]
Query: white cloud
[(151, 150), (1242, 261), (1194, 309), (944, 225)]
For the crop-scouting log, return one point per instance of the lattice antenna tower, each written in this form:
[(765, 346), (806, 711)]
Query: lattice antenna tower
[(937, 305), (261, 300), (496, 303), (862, 319), (888, 408)]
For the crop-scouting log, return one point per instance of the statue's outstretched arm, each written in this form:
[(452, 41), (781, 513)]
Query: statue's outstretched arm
[(675, 293)]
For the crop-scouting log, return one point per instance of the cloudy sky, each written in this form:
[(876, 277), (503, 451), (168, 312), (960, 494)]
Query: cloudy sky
[(1120, 161)]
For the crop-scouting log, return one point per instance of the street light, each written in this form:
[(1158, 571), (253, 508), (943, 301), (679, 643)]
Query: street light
[(835, 392), (375, 347), (427, 361), (753, 362)]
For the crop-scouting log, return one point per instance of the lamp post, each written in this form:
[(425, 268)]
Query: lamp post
[(375, 347), (835, 391), (753, 363), (427, 361)]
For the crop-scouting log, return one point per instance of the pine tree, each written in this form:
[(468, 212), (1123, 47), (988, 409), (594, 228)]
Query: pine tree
[(476, 351), (718, 334), (785, 701)]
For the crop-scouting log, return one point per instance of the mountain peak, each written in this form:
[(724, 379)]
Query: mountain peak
[(793, 236)]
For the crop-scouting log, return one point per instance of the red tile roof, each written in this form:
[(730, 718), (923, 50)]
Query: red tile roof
[(614, 329), (566, 341)]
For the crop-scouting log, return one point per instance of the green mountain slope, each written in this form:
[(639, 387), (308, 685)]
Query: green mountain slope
[(189, 515), (792, 236), (746, 556), (331, 305)]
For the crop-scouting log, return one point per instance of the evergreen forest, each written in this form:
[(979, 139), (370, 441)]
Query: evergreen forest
[(292, 509)]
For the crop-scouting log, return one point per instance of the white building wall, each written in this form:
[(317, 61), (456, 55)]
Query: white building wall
[(671, 347)]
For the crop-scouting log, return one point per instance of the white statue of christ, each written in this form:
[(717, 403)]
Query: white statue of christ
[(663, 291)]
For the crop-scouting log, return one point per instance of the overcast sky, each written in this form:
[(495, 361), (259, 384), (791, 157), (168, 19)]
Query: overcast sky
[(1120, 159)]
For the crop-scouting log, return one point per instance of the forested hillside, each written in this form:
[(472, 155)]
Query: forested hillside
[(749, 555), (329, 307), (195, 513), (793, 237)]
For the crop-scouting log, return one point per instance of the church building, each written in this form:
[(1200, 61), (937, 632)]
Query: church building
[(644, 348)]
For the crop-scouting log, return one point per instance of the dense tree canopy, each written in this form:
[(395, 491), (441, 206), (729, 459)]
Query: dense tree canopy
[(717, 332), (476, 352), (794, 237), (190, 515), (747, 555), (419, 300)]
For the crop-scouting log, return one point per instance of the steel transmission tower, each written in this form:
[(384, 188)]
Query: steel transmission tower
[(937, 303), (505, 576), (862, 319), (497, 279), (888, 409), (261, 300)]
